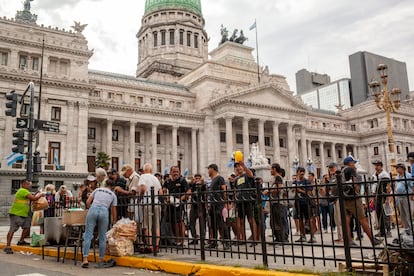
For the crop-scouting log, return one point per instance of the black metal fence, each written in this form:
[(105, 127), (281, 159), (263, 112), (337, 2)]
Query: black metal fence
[(369, 227)]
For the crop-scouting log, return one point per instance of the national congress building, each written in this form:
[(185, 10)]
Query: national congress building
[(186, 105)]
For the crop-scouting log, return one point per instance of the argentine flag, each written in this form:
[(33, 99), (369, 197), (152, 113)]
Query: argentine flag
[(253, 26), (56, 160), (186, 171), (14, 157)]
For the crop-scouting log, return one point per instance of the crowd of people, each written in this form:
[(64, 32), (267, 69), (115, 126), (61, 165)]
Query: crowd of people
[(171, 206)]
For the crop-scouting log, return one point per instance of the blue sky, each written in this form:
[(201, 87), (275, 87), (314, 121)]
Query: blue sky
[(318, 35)]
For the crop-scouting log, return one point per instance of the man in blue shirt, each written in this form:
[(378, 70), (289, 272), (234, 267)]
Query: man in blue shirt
[(403, 190), (410, 157)]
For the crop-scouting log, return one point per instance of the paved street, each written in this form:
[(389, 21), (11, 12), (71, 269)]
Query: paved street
[(19, 264), (318, 258)]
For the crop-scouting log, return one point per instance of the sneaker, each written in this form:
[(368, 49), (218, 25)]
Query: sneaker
[(352, 244), (301, 239), (100, 265), (376, 242), (325, 231), (23, 243), (211, 246), (389, 235), (312, 239), (8, 250)]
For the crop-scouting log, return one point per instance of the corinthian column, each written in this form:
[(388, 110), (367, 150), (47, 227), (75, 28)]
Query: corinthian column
[(303, 146), (174, 145), (229, 136), (132, 143), (194, 151), (246, 138), (322, 153), (276, 145), (154, 145), (109, 124), (261, 137), (291, 146)]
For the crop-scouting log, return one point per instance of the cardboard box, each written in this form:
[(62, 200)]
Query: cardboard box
[(74, 217)]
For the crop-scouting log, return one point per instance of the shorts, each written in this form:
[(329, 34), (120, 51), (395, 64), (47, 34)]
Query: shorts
[(244, 208), (355, 207), (302, 211), (175, 214), (148, 217), (16, 222)]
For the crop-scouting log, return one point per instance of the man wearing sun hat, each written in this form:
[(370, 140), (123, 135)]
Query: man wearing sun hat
[(353, 204)]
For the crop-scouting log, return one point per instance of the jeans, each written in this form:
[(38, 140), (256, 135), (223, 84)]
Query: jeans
[(325, 211), (97, 215)]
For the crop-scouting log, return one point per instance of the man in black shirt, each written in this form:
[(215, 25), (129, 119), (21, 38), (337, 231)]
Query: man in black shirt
[(177, 187), (197, 185), (278, 208), (244, 199), (121, 208), (218, 200)]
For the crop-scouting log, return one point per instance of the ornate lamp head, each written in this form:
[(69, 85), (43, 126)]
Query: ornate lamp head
[(395, 97)]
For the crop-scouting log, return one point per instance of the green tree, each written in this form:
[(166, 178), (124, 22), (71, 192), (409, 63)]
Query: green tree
[(102, 160)]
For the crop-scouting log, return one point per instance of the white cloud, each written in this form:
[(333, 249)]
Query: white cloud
[(293, 34)]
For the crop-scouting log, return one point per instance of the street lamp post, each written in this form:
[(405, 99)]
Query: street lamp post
[(388, 101)]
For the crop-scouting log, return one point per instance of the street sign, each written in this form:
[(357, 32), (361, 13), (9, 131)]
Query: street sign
[(47, 125), (21, 123)]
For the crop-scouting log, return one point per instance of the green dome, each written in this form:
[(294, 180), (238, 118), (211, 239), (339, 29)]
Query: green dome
[(189, 5)]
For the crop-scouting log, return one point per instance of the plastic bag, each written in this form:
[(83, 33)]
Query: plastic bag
[(37, 218), (37, 239), (40, 204)]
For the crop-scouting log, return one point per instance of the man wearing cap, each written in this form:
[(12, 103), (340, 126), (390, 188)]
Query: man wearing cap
[(177, 187), (119, 181), (131, 188), (403, 189), (303, 192), (19, 214), (382, 189), (90, 187), (353, 204), (197, 185), (218, 200)]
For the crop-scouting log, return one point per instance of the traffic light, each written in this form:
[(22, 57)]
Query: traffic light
[(18, 142), (11, 104), (37, 163)]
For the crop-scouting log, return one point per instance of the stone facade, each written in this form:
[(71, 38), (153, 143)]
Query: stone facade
[(198, 112)]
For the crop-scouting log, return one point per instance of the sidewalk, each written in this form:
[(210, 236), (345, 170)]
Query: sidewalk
[(171, 262)]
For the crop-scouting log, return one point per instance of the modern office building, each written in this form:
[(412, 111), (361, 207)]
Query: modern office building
[(306, 81), (190, 109), (334, 97), (363, 68)]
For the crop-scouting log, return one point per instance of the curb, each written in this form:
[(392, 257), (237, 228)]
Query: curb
[(174, 267)]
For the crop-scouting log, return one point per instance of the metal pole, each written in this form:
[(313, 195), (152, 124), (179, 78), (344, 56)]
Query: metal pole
[(201, 221), (154, 222), (341, 199), (257, 53), (29, 168), (261, 226)]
